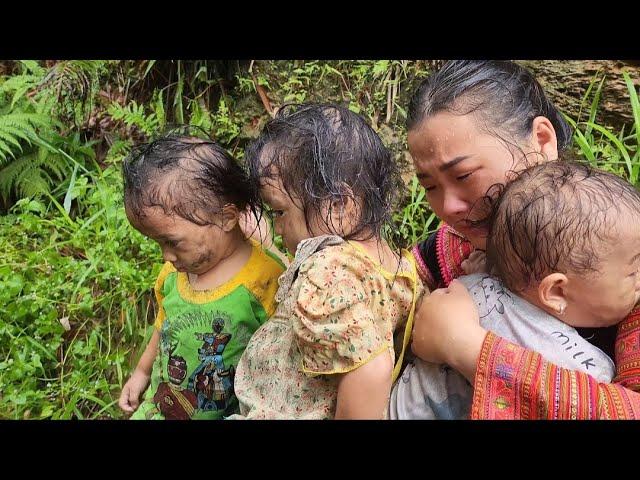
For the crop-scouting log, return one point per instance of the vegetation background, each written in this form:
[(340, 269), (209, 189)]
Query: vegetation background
[(76, 302)]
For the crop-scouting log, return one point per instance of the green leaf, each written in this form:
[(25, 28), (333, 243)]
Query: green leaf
[(67, 198), (617, 143)]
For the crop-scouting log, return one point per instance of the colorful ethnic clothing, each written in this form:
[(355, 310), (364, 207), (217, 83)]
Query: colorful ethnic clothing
[(514, 383), (438, 258)]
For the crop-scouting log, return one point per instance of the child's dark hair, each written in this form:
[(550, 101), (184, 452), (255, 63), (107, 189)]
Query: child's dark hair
[(185, 176), (505, 96), (325, 153), (556, 217)]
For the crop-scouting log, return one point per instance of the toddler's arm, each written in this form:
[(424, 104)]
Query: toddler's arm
[(364, 392), (139, 380)]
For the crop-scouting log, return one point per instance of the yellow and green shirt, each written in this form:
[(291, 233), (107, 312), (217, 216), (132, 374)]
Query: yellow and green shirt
[(203, 333)]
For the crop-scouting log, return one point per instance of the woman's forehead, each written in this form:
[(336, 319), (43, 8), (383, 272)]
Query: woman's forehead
[(443, 134)]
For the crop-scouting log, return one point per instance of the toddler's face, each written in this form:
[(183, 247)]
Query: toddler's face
[(189, 247), (288, 217)]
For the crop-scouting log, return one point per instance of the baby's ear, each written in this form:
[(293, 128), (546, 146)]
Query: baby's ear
[(552, 292), (230, 217)]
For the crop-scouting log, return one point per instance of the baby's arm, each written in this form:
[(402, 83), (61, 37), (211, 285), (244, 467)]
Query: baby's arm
[(139, 380), (447, 329), (363, 393)]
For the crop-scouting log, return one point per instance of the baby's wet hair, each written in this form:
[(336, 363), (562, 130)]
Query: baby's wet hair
[(186, 176), (326, 154), (557, 217)]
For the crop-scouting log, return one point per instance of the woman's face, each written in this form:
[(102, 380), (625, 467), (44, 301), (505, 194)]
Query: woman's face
[(457, 163)]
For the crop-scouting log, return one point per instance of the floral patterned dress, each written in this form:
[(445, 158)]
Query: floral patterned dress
[(337, 310)]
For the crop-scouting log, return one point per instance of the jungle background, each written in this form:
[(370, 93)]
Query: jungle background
[(76, 298)]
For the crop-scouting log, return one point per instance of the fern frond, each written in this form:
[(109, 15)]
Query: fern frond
[(10, 173), (4, 150), (19, 127), (32, 66), (31, 182)]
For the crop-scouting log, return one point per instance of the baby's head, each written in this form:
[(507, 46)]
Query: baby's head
[(186, 194), (566, 237), (323, 170)]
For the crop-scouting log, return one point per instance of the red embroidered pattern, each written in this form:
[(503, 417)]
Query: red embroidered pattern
[(451, 250), (513, 383), (628, 352)]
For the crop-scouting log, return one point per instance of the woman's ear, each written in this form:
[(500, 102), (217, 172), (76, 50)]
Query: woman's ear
[(543, 138)]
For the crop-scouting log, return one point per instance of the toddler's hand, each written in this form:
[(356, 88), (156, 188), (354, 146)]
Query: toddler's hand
[(135, 386)]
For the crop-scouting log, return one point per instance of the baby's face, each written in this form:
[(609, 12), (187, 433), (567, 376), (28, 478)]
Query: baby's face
[(605, 298)]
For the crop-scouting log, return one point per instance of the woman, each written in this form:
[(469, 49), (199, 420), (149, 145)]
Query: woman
[(471, 126)]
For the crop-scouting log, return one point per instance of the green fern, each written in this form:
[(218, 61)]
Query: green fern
[(35, 153), (33, 67), (118, 150), (200, 115), (157, 105), (18, 86), (17, 129), (133, 114), (224, 126), (74, 84), (33, 174)]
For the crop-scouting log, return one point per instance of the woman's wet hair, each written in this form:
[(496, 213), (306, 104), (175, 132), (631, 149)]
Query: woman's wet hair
[(503, 96)]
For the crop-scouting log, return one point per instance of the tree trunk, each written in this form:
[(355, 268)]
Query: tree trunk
[(567, 81)]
